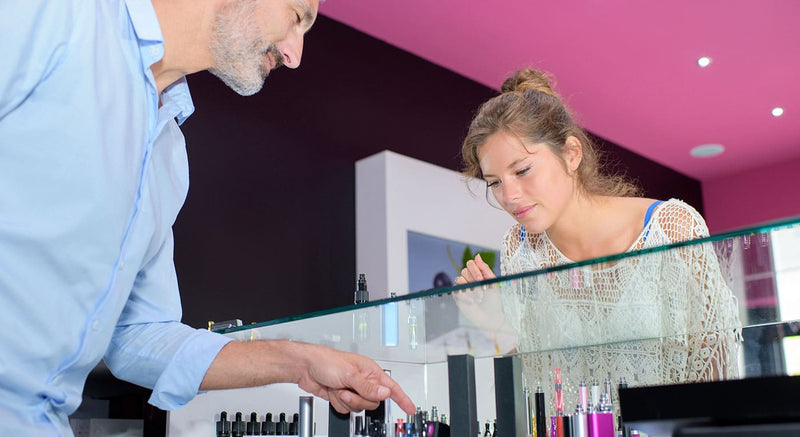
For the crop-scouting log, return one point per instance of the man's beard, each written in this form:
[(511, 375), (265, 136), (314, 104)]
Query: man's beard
[(239, 61)]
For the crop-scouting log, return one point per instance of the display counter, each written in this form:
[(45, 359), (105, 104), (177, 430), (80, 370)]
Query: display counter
[(725, 307)]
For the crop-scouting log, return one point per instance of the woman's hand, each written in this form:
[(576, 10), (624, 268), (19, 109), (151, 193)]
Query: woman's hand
[(476, 270)]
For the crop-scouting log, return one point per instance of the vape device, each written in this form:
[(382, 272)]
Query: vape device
[(601, 420), (306, 418)]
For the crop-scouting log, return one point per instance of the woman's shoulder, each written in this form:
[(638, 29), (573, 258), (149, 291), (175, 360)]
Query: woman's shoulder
[(679, 221)]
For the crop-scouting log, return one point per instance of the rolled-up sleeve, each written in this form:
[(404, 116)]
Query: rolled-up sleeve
[(151, 348)]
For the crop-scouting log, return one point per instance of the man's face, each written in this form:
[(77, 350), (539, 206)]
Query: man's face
[(253, 37)]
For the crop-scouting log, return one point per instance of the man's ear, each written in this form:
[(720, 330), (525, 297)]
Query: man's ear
[(573, 154)]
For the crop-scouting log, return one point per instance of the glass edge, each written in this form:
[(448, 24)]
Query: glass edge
[(760, 228)]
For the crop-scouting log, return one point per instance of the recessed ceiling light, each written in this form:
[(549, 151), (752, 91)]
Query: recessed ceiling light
[(777, 112), (707, 150), (704, 61)]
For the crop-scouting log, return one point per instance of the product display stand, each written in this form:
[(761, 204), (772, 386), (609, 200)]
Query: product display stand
[(338, 424), (463, 403), (509, 397)]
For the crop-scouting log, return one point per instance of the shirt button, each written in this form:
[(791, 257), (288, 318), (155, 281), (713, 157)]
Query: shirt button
[(95, 325)]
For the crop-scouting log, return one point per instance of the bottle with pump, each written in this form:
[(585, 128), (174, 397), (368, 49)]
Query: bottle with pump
[(253, 427), (223, 425), (361, 317), (268, 426), (238, 427), (412, 325), (282, 427)]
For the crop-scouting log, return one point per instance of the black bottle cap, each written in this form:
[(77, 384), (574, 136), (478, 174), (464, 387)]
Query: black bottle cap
[(253, 427), (268, 426), (282, 428), (361, 295), (223, 425), (238, 428)]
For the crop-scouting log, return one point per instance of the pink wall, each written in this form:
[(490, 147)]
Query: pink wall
[(754, 196)]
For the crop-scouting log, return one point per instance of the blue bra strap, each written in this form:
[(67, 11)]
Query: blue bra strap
[(649, 212), (647, 216)]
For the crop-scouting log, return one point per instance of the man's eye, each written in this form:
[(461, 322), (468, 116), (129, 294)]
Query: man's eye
[(493, 184), (299, 18), (523, 172)]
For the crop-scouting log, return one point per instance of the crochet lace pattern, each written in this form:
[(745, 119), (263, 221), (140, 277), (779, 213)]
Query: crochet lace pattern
[(657, 318)]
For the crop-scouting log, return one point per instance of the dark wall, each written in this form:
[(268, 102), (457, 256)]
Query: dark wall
[(268, 228)]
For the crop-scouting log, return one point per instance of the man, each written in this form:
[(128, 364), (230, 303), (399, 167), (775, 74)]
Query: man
[(93, 173)]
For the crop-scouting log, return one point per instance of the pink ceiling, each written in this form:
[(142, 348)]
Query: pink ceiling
[(627, 68)]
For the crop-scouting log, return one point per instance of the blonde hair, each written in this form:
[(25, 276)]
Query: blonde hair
[(530, 110)]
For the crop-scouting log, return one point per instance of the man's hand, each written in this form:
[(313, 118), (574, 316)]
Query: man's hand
[(350, 382)]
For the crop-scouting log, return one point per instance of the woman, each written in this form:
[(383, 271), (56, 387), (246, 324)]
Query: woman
[(662, 317)]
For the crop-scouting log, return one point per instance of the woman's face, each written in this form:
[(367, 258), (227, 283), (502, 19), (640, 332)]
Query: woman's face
[(529, 181)]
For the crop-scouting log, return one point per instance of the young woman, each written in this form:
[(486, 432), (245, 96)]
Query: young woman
[(662, 317)]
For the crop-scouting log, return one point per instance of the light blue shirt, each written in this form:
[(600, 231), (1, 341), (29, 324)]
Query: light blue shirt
[(92, 176)]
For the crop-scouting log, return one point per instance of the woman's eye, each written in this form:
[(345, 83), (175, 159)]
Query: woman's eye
[(493, 184), (523, 171), (298, 17)]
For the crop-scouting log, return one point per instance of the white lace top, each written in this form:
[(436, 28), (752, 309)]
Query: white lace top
[(638, 310)]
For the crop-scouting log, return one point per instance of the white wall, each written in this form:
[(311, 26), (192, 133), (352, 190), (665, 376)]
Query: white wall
[(396, 194)]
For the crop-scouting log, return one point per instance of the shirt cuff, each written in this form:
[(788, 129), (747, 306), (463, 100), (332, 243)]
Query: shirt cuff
[(180, 381)]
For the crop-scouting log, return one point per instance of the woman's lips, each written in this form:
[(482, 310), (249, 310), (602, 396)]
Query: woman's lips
[(522, 212)]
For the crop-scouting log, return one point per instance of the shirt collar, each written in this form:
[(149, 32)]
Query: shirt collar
[(178, 94), (148, 31), (151, 46)]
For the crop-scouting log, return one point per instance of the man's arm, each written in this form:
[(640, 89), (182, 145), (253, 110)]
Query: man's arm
[(348, 381)]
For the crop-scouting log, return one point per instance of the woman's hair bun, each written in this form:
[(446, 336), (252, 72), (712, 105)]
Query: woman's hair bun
[(527, 79)]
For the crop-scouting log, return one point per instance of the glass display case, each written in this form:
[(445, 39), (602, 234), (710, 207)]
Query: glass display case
[(722, 307)]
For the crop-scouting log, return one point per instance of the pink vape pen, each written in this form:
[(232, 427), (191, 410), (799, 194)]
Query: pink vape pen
[(601, 419)]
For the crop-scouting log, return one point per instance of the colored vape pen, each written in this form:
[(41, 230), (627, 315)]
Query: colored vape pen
[(559, 393), (601, 420), (595, 392), (583, 397)]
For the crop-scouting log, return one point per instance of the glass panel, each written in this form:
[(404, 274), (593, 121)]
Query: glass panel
[(720, 306)]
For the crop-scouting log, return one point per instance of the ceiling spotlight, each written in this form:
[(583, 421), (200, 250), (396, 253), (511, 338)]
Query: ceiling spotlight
[(704, 61), (777, 112), (707, 150)]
